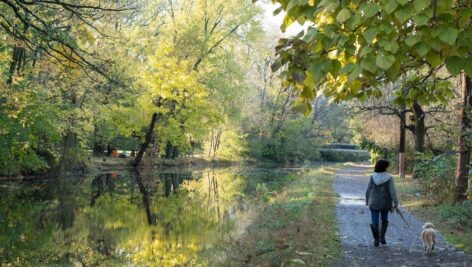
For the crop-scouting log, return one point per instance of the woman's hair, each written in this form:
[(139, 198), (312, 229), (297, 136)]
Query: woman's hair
[(381, 165)]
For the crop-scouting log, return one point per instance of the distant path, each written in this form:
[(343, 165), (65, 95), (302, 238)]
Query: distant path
[(404, 248)]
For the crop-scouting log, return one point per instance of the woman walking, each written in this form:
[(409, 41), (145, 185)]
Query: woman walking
[(380, 196)]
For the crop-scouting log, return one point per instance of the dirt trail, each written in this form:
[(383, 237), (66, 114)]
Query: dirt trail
[(404, 246)]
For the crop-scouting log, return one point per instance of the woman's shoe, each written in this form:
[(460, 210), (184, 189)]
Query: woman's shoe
[(383, 230), (375, 233)]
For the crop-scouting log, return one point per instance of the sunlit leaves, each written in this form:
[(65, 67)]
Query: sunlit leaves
[(343, 15), (389, 37)]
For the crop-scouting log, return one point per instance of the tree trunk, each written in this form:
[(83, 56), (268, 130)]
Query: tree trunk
[(146, 142), (420, 128), (17, 62), (401, 148), (462, 167)]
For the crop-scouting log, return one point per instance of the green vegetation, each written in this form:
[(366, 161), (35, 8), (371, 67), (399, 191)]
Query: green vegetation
[(297, 227)]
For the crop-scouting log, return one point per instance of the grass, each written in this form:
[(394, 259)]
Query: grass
[(296, 227), (454, 221)]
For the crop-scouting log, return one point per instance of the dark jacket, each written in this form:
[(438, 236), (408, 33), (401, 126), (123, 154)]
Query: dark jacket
[(381, 192)]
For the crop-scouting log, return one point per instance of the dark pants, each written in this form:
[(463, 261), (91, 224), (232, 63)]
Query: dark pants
[(375, 216)]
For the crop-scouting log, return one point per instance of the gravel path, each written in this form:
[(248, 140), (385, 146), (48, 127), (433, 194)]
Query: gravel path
[(404, 246)]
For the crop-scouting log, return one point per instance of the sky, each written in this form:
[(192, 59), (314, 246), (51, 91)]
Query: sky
[(271, 22)]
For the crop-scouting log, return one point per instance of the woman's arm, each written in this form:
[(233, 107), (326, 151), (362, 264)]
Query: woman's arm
[(367, 192), (393, 192)]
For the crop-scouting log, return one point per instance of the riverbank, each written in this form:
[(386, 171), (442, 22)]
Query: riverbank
[(109, 163), (297, 227), (95, 165), (453, 221)]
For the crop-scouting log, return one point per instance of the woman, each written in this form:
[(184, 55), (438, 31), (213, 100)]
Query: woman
[(379, 196)]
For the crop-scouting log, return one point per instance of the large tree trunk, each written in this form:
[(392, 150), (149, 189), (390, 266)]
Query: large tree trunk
[(401, 148), (420, 128), (462, 167), (146, 142)]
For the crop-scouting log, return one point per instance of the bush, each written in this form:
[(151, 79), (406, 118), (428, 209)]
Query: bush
[(458, 216), (436, 176)]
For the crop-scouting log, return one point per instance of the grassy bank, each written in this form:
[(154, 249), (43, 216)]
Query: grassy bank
[(296, 227), (453, 221)]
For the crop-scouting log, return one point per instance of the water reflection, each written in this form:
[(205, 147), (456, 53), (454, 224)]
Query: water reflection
[(115, 219)]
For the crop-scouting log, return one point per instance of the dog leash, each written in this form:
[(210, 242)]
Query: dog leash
[(404, 220)]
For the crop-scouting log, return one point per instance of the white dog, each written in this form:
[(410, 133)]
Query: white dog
[(429, 237)]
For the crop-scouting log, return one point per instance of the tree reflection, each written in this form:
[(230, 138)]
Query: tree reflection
[(127, 219)]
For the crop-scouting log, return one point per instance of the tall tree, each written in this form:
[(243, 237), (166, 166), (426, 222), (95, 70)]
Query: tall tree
[(353, 46)]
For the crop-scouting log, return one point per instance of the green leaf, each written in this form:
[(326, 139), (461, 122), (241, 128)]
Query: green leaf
[(422, 49), (436, 45), (354, 73), (421, 19), (307, 93), (433, 59), (316, 72), (449, 35), (354, 21), (391, 6), (394, 70), (391, 46), (286, 22), (348, 68), (370, 34), (384, 61), (404, 13), (277, 11), (299, 106), (421, 4), (365, 50), (468, 66), (343, 15), (386, 28), (298, 75), (436, 31), (412, 40), (465, 15), (455, 64), (368, 64), (369, 9), (402, 2)]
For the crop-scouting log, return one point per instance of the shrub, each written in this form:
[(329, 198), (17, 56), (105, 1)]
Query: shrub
[(436, 175), (458, 216)]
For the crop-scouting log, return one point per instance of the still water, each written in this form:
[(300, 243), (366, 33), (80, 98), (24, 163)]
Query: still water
[(132, 219)]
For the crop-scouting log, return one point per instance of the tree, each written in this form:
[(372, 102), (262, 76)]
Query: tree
[(353, 46)]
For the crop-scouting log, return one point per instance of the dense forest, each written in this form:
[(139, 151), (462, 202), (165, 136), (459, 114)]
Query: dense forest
[(84, 78)]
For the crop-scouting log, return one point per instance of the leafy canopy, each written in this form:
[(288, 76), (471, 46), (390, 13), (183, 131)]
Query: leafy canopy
[(352, 46)]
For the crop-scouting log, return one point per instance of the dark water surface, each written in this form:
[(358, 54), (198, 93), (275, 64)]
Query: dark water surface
[(131, 219)]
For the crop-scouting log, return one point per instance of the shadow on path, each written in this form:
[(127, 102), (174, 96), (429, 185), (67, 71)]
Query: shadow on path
[(404, 246)]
